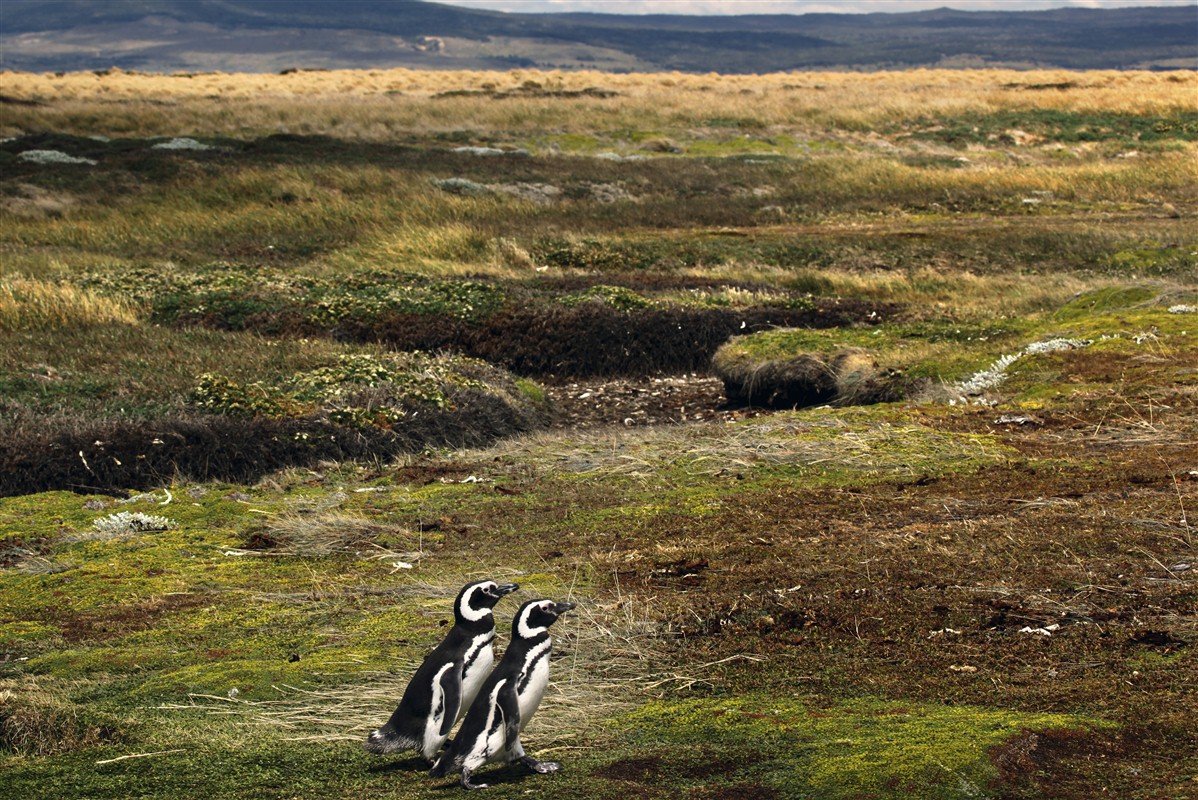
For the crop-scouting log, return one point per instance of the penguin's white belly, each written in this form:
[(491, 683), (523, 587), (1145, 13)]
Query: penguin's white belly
[(491, 746), (533, 684), (480, 657)]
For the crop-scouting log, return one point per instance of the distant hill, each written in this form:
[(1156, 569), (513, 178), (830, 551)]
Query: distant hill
[(267, 36)]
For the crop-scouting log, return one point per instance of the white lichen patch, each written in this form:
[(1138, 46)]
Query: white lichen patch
[(988, 378), (52, 157), (132, 522), (1183, 309), (181, 143), (463, 186), (996, 373), (608, 156), (1054, 346), (490, 151)]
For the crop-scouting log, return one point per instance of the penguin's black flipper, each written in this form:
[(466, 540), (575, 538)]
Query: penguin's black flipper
[(509, 706), (451, 689)]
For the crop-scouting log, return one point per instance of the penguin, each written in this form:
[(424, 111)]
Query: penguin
[(507, 701), (446, 683)]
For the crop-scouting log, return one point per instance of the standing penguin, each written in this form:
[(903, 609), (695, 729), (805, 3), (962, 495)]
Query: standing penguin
[(445, 684), (507, 701)]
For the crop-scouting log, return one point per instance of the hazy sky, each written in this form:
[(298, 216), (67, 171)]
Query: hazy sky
[(800, 6)]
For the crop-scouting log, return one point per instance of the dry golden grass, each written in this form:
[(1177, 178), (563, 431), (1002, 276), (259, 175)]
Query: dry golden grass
[(30, 304), (380, 104), (37, 721)]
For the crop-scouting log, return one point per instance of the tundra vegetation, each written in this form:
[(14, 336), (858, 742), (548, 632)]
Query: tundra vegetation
[(279, 359)]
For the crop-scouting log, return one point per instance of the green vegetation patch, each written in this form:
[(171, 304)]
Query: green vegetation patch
[(360, 390), (1060, 125), (824, 446), (237, 296), (926, 349), (1139, 343), (1105, 300), (862, 748), (1120, 318), (618, 297), (1155, 259)]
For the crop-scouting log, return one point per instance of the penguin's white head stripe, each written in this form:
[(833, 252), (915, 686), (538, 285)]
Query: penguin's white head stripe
[(525, 627), (473, 605)]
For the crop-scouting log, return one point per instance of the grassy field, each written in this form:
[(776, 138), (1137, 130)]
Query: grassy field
[(276, 355)]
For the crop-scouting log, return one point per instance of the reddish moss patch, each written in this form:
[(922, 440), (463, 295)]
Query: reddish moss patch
[(117, 621)]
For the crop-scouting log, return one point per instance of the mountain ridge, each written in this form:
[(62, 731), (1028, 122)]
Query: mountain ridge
[(262, 36)]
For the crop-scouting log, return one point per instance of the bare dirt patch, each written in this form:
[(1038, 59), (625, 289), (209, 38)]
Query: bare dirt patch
[(642, 401)]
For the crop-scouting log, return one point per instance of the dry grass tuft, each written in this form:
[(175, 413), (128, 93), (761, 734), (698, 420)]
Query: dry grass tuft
[(326, 533), (38, 722), (30, 304)]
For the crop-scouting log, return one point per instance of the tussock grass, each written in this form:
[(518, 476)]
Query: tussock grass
[(32, 304), (326, 533), (383, 104), (41, 721)]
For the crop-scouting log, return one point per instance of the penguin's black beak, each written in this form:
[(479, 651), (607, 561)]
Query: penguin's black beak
[(562, 608), (506, 588)]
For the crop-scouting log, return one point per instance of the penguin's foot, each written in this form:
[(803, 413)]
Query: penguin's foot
[(467, 784), (540, 767)]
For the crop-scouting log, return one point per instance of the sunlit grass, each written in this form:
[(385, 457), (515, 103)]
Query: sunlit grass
[(382, 104), (30, 304)]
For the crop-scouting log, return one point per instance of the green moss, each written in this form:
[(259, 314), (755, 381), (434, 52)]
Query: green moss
[(1100, 301), (531, 389), (939, 350), (264, 767), (1155, 261), (867, 747), (618, 297), (740, 146)]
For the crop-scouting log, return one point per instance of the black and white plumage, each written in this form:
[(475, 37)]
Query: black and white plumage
[(446, 683), (508, 700)]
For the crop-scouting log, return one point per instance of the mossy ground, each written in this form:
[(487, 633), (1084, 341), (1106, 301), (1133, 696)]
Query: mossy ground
[(992, 598)]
